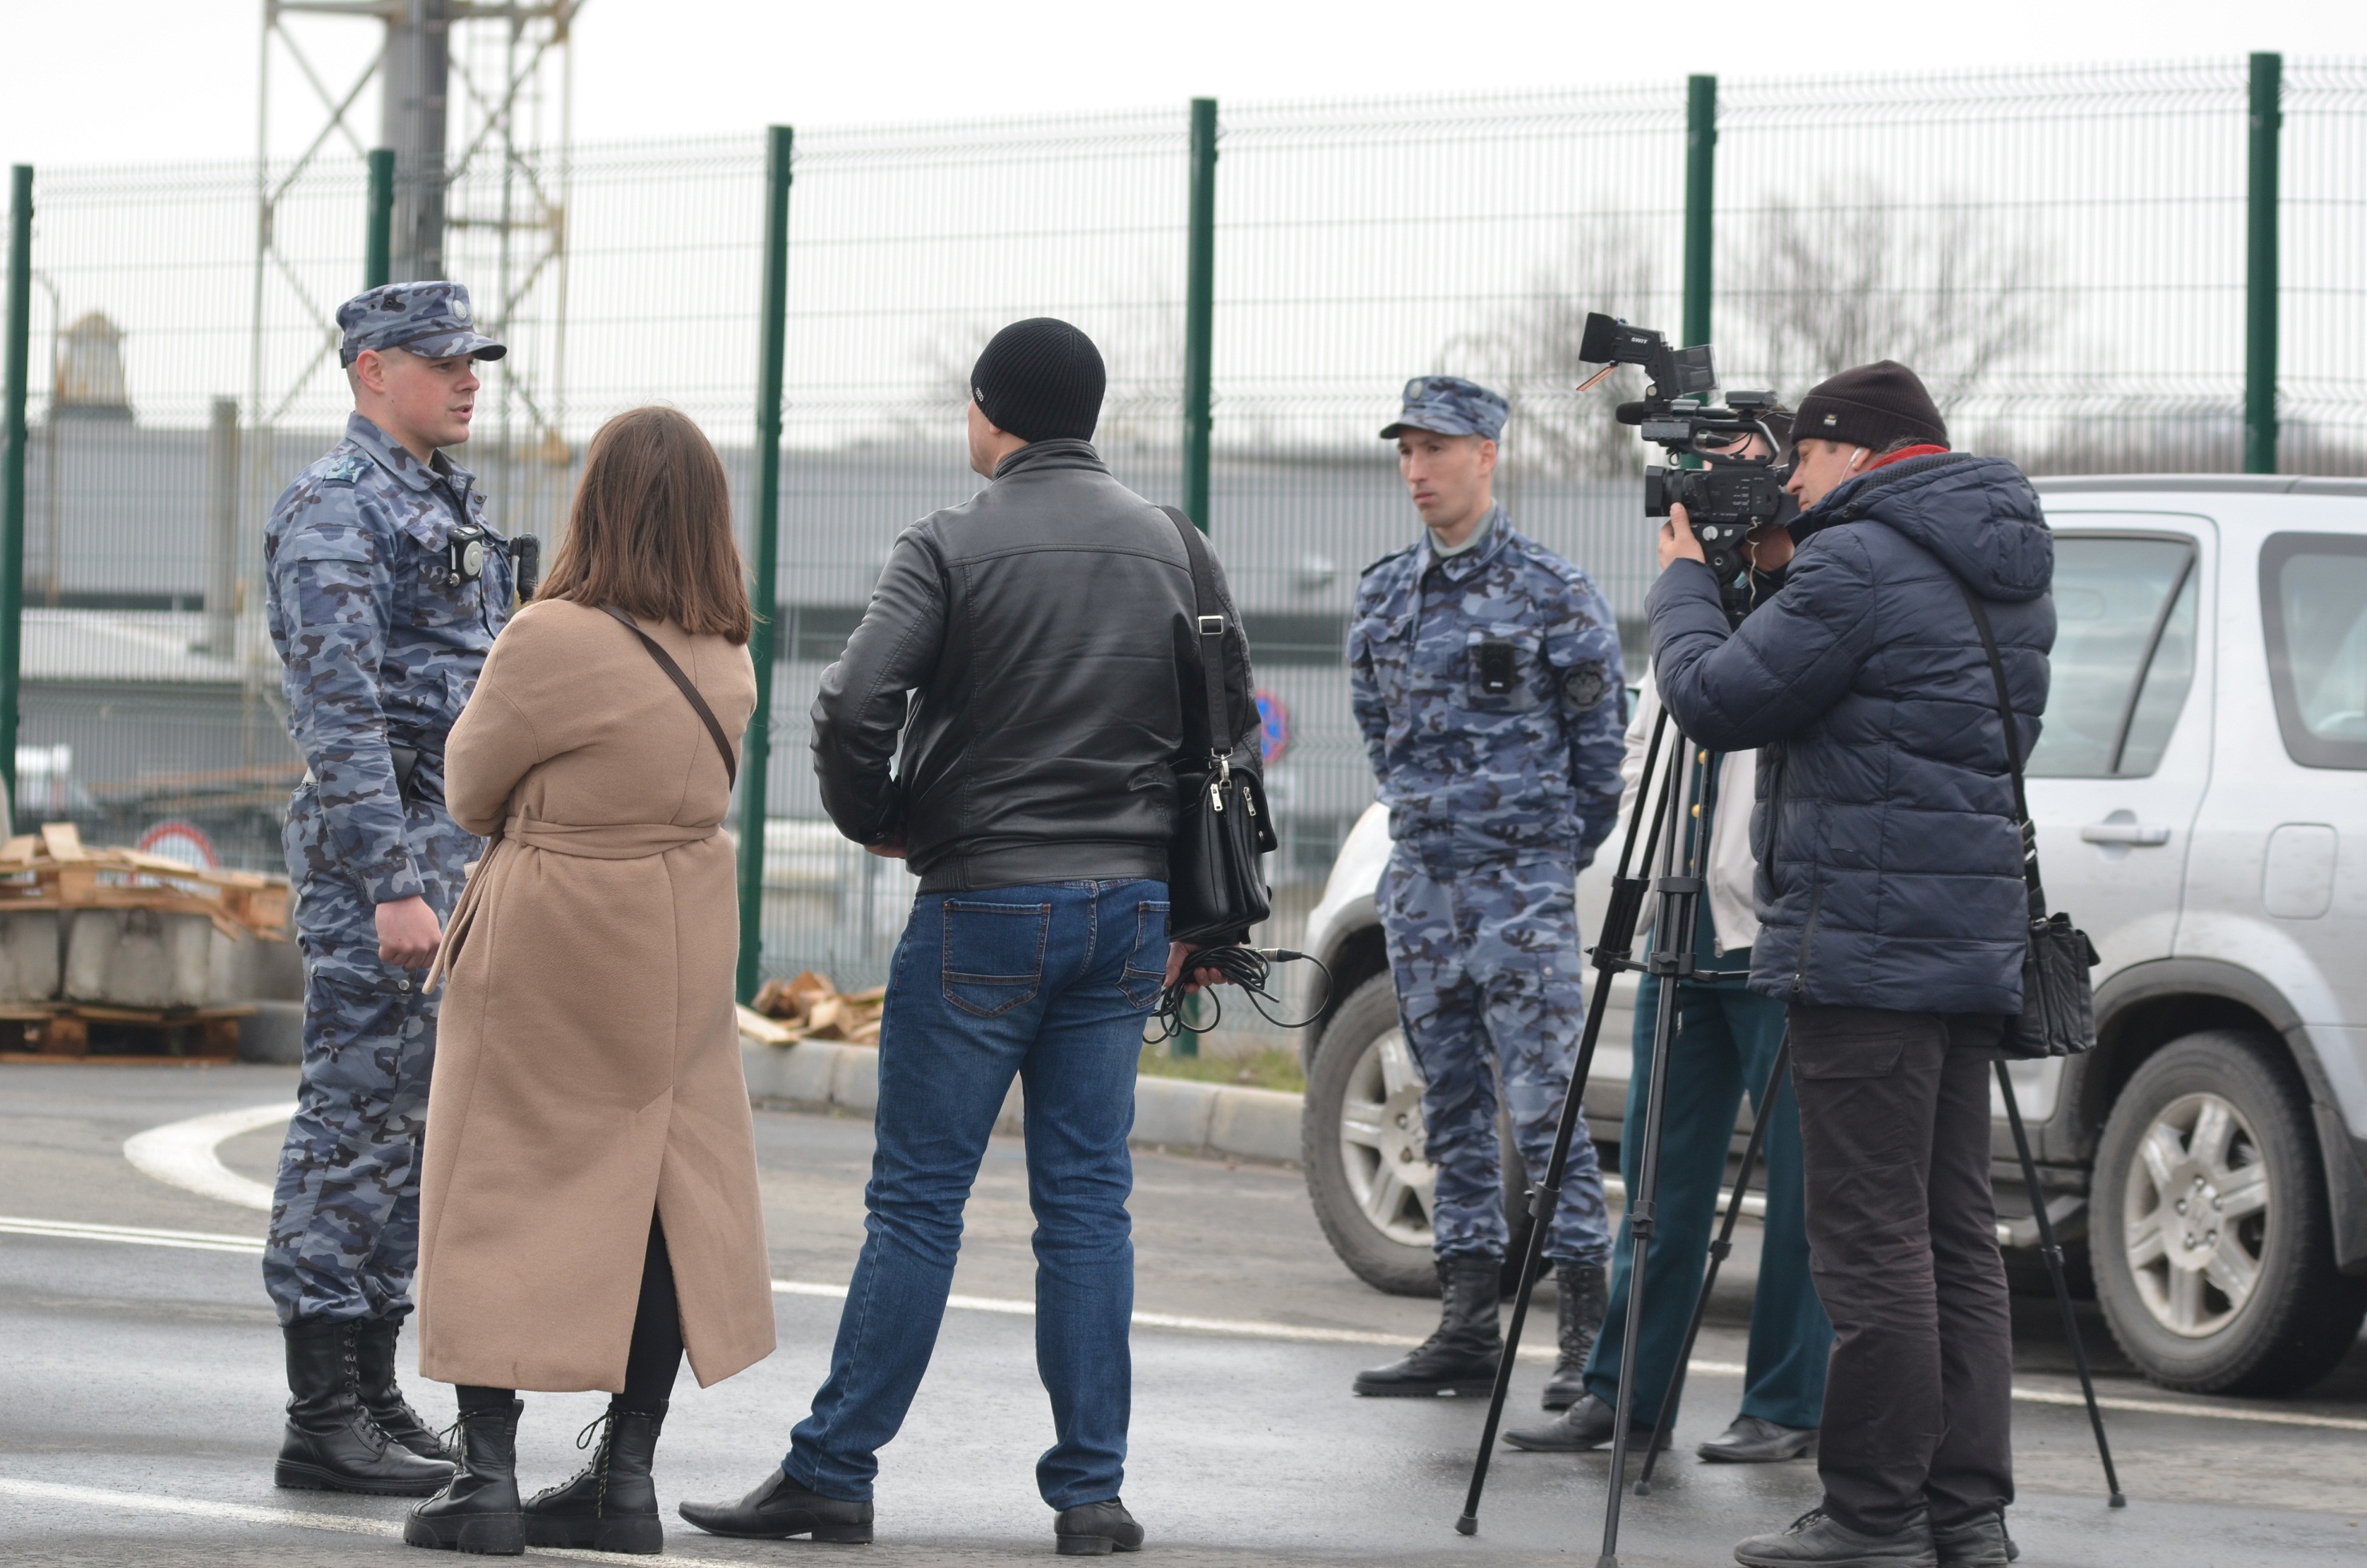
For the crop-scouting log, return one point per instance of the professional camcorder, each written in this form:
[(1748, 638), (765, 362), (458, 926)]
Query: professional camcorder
[(1728, 495)]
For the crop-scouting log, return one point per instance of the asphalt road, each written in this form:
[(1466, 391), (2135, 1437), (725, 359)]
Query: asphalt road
[(140, 1390)]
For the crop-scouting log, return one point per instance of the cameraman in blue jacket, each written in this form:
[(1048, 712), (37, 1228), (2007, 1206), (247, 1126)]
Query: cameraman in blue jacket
[(1893, 924)]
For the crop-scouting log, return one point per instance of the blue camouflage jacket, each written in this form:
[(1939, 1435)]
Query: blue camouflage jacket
[(1492, 700), (379, 647)]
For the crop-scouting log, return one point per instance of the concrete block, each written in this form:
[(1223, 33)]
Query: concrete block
[(141, 958), (249, 969), (854, 1084), (1172, 1113), (29, 955), (1257, 1123), (273, 1032)]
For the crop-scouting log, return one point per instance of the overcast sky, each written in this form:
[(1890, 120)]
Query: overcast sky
[(109, 81)]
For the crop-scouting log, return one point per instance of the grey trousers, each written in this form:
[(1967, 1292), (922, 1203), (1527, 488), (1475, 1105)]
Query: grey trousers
[(1895, 1126)]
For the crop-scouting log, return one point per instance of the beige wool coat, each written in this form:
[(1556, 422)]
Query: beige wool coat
[(588, 1067)]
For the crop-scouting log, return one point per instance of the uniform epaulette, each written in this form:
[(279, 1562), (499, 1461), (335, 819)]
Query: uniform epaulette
[(1567, 572), (1365, 571), (344, 468)]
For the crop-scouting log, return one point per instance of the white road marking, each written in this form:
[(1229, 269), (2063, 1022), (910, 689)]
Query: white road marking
[(2172, 1407), (135, 1235), (248, 1514), (181, 1154)]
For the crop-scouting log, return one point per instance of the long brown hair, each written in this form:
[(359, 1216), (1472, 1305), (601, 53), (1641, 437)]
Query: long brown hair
[(651, 531)]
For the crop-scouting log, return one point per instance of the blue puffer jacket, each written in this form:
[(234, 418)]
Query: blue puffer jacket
[(1889, 866)]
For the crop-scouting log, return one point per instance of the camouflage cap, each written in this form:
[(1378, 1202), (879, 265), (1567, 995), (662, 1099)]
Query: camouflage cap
[(1449, 405), (432, 320)]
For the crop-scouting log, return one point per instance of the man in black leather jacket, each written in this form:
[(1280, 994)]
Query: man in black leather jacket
[(1035, 652)]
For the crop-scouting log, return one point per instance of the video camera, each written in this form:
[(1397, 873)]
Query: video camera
[(1729, 494)]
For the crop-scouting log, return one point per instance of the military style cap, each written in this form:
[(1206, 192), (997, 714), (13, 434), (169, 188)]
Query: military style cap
[(432, 320), (1449, 405)]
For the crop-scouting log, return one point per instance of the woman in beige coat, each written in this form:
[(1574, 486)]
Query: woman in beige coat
[(589, 1206)]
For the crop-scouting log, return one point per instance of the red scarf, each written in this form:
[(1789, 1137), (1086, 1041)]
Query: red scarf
[(1925, 450)]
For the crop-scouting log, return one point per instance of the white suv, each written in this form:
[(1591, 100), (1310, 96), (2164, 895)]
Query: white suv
[(2200, 796)]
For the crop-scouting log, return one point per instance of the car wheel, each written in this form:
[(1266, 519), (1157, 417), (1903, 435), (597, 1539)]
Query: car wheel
[(1363, 1147), (2212, 1252)]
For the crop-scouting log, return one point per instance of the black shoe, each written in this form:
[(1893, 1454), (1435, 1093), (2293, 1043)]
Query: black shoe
[(1095, 1529), (374, 1378), (779, 1508), (1585, 1425), (478, 1510), (1583, 1296), (1818, 1540), (332, 1444), (1975, 1543), (1461, 1356), (612, 1505), (1751, 1440)]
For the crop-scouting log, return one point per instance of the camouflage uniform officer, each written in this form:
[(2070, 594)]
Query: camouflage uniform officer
[(386, 589), (1486, 681)]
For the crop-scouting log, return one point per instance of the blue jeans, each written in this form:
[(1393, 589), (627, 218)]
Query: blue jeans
[(1050, 982)]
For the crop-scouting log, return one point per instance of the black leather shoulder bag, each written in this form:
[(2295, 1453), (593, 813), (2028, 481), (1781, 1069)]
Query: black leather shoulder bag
[(1215, 890), (2058, 1003)]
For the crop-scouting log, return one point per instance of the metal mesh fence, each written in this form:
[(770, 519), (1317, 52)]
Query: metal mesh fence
[(2061, 254)]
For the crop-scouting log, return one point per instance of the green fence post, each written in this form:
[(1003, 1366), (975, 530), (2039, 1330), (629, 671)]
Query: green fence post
[(379, 241), (1199, 310), (1700, 169), (12, 469), (755, 751), (2261, 271)]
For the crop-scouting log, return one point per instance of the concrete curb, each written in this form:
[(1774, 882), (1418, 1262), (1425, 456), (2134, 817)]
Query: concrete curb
[(1222, 1119)]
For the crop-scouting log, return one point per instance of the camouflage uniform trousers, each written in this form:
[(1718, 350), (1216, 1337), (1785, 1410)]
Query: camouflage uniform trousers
[(1491, 987), (344, 1241)]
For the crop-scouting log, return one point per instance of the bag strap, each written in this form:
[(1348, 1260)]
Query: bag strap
[(2012, 750), (1212, 630), (673, 673)]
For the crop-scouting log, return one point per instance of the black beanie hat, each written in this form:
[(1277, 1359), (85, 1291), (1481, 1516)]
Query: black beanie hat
[(1872, 407), (1041, 379)]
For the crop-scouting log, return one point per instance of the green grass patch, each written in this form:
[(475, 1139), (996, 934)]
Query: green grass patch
[(1269, 1067)]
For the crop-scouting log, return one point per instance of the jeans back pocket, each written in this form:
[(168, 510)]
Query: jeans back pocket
[(1144, 974), (993, 955)]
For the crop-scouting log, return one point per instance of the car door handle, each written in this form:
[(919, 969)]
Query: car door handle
[(2123, 834)]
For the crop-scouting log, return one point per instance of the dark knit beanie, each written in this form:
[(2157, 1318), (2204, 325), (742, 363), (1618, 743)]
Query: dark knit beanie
[(1872, 407), (1041, 379)]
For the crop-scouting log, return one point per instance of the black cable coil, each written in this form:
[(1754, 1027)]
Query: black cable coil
[(1248, 967)]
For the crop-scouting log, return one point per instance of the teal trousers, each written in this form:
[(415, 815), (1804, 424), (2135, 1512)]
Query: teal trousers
[(1727, 1039)]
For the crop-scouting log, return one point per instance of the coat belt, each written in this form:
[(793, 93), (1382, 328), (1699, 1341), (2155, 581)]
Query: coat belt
[(602, 840)]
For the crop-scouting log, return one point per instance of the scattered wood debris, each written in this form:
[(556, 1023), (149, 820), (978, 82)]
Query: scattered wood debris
[(812, 1007), (54, 870), (75, 1031)]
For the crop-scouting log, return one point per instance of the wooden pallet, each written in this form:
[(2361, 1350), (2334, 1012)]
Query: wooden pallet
[(93, 1033), (54, 870)]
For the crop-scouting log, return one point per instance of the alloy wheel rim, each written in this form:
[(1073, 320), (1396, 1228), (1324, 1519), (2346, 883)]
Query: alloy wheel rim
[(1383, 1147), (2194, 1215)]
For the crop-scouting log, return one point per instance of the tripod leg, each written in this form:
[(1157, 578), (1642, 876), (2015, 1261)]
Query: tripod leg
[(1719, 1250), (2054, 1255), (1610, 956)]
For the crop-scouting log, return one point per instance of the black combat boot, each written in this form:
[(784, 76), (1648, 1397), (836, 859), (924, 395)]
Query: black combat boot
[(332, 1444), (374, 1366), (477, 1509), (612, 1504), (1584, 1296), (1461, 1356)]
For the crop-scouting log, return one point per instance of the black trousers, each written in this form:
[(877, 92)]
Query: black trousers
[(1902, 1238), (656, 1353)]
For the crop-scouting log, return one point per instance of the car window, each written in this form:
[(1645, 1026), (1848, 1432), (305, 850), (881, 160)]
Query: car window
[(2313, 609), (2123, 658)]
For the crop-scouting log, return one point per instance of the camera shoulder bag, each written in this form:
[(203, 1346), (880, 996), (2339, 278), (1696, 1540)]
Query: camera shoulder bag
[(1214, 891), (673, 673), (2058, 1003)]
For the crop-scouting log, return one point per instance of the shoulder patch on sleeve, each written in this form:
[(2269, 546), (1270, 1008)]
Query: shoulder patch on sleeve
[(1586, 685), (344, 468)]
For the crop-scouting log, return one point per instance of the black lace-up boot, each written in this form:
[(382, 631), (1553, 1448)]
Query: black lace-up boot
[(612, 1504), (1584, 1295), (477, 1509), (332, 1444), (1461, 1356), (374, 1340)]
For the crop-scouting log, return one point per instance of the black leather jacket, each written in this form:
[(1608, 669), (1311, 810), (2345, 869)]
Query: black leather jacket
[(1046, 631)]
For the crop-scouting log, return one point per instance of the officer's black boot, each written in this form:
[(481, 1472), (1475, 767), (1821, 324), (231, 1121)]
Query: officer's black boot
[(1461, 1356), (374, 1366), (611, 1506), (477, 1509), (332, 1444), (1585, 1296)]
